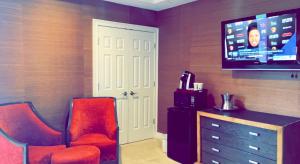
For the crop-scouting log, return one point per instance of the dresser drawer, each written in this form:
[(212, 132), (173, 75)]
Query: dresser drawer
[(242, 131), (234, 154), (261, 149), (212, 159)]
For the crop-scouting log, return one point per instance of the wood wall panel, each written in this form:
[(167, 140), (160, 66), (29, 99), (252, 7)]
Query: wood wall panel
[(11, 59), (46, 50), (195, 28), (52, 47)]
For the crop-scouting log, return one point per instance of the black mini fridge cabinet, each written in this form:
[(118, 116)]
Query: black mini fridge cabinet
[(182, 145), (182, 137)]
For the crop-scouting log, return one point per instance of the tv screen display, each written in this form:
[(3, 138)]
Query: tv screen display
[(266, 41)]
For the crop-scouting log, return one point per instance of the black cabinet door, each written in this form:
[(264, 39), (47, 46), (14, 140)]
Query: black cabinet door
[(182, 139)]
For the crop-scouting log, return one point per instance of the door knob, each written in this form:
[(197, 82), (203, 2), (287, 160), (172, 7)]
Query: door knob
[(124, 93), (132, 93)]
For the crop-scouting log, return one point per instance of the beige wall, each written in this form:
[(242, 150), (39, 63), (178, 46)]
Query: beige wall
[(46, 50), (190, 38)]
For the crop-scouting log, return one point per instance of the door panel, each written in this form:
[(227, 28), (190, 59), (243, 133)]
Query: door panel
[(113, 80), (136, 72), (107, 72), (122, 105), (147, 72), (141, 84), (136, 112), (146, 110)]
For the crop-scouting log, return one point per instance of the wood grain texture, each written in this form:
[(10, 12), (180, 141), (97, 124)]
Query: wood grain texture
[(236, 155), (263, 149), (52, 46), (240, 121), (46, 50), (280, 146), (286, 139), (11, 59), (191, 39)]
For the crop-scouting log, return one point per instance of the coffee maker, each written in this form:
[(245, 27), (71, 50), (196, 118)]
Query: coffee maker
[(187, 80)]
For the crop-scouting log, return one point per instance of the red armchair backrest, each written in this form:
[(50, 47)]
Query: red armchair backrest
[(21, 123), (93, 115)]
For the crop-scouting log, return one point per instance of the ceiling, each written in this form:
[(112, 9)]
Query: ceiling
[(155, 5)]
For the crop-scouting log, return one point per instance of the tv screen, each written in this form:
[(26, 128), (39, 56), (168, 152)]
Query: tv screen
[(265, 42)]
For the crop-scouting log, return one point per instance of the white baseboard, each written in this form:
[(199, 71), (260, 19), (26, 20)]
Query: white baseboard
[(164, 138)]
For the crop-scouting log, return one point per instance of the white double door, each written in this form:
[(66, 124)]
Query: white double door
[(126, 70)]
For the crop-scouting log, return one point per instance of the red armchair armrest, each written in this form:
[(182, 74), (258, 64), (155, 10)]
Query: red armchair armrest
[(22, 122), (113, 133), (11, 151)]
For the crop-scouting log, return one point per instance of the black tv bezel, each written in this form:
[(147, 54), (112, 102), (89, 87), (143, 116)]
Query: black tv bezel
[(295, 65)]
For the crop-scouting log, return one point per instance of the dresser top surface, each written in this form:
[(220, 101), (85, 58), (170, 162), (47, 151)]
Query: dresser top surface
[(267, 118)]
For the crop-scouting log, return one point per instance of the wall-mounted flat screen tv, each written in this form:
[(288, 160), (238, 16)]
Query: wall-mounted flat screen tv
[(263, 42)]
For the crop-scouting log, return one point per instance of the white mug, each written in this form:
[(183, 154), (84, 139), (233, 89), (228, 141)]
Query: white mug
[(198, 86)]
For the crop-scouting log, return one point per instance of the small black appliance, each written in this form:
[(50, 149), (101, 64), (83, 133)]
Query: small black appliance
[(187, 80), (190, 98)]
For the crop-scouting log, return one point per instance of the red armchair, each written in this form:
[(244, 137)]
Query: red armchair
[(25, 137), (93, 121)]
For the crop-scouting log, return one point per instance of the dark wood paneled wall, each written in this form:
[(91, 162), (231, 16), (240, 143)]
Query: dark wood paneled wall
[(11, 62), (46, 50), (46, 53), (190, 38)]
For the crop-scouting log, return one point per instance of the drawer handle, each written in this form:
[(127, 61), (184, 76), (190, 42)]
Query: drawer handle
[(215, 137), (253, 134), (215, 125), (253, 162), (253, 147), (215, 150), (215, 162)]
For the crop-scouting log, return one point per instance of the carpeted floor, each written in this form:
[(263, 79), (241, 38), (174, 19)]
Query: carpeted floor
[(144, 152)]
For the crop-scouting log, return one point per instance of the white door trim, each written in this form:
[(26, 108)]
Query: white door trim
[(98, 22)]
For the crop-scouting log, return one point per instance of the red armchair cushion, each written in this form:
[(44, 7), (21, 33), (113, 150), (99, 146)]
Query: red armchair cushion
[(105, 144), (93, 115), (42, 154), (77, 155), (21, 123)]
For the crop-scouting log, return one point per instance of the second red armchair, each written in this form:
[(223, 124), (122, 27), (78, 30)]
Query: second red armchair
[(93, 121)]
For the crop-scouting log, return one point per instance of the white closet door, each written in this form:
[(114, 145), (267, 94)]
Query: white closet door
[(141, 86), (113, 72), (127, 72)]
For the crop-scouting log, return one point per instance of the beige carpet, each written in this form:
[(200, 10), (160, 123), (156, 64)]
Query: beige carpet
[(144, 152)]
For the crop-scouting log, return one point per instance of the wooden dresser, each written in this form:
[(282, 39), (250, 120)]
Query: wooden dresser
[(247, 137)]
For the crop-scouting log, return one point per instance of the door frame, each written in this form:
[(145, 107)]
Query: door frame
[(105, 23)]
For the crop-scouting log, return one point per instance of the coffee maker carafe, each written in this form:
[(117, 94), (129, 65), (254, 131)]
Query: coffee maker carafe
[(187, 80)]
